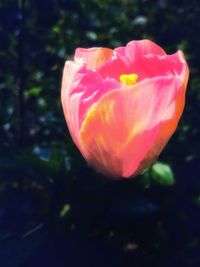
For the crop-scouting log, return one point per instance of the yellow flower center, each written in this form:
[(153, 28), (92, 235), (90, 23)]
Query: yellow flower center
[(128, 79)]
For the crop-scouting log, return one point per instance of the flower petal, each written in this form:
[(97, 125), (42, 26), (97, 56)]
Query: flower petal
[(146, 66), (154, 66), (70, 71), (123, 126), (81, 88), (93, 57), (167, 129), (140, 48)]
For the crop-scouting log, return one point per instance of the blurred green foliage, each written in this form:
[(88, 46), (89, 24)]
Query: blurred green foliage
[(40, 168)]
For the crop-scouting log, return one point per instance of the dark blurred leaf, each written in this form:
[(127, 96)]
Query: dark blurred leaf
[(65, 209), (34, 91)]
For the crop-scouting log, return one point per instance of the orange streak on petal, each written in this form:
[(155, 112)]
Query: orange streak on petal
[(101, 148), (93, 57)]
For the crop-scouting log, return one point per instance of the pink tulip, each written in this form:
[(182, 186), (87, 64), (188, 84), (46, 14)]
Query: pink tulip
[(123, 105)]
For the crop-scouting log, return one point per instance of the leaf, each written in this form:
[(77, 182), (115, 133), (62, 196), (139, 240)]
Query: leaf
[(34, 91), (65, 209), (162, 174)]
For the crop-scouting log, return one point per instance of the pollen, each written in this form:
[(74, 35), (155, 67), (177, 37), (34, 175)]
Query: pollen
[(128, 79)]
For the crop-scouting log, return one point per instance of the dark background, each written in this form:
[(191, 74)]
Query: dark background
[(54, 209)]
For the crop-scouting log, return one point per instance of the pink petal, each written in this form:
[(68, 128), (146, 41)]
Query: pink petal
[(70, 71), (155, 66), (168, 128), (129, 59), (122, 128), (93, 57), (115, 67), (136, 49), (80, 89), (145, 67)]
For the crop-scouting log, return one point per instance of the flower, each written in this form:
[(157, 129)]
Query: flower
[(123, 105)]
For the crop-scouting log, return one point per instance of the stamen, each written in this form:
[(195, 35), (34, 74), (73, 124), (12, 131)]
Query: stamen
[(128, 79)]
